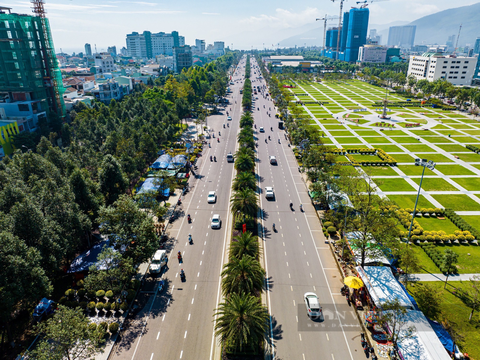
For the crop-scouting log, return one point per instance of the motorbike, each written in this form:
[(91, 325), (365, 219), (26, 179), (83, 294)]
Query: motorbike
[(214, 159), (182, 276), (190, 239), (213, 135), (273, 228), (291, 206), (179, 256), (266, 142), (224, 126), (301, 207), (209, 145), (255, 126), (228, 125), (218, 140), (269, 137), (279, 141), (271, 128), (211, 158), (189, 219), (179, 202), (219, 133)]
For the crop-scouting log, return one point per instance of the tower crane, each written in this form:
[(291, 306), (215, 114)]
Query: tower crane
[(325, 19), (458, 37), (365, 3), (339, 27)]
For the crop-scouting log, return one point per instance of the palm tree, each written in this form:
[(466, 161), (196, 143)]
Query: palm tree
[(242, 323), (246, 244), (245, 202), (243, 162), (244, 180), (246, 121), (242, 275), (243, 150), (244, 134)]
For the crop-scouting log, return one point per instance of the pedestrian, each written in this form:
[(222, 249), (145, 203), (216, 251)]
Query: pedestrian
[(367, 353), (348, 300)]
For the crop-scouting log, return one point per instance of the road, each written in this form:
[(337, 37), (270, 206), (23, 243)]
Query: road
[(297, 259), (178, 322)]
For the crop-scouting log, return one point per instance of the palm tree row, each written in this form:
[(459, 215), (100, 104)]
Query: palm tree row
[(242, 319)]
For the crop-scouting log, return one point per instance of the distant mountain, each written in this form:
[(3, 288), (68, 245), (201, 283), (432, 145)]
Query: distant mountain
[(436, 28)]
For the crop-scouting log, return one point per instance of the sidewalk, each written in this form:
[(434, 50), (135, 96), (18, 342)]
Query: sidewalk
[(439, 277)]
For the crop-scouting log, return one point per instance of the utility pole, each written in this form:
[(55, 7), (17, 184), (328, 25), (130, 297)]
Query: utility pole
[(339, 27)]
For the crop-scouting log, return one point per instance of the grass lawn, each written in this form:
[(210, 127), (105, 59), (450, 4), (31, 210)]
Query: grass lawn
[(465, 139), (414, 170), (408, 201), (456, 313), (451, 132), (404, 139), (471, 184), (433, 224), (435, 157), (438, 127), (327, 140), (453, 148), (427, 264), (361, 158), (395, 184), (341, 133), (467, 264), (435, 184), (366, 132), (335, 127), (458, 202), (473, 132), (379, 170), (349, 140), (461, 126), (473, 220), (469, 157), (394, 132), (453, 170), (403, 158), (389, 148), (419, 148), (437, 139), (377, 140)]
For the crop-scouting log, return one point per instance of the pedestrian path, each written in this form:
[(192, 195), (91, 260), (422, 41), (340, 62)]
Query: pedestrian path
[(440, 277)]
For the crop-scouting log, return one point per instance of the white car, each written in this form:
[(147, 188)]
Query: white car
[(269, 192), (313, 305), (262, 129), (273, 160), (216, 223), (229, 118), (212, 197)]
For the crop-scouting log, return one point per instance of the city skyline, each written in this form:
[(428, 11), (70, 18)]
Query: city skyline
[(74, 24)]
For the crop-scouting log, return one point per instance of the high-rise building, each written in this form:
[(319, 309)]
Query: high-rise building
[(451, 42), (148, 45), (374, 38), (88, 50), (372, 54), (402, 36), (200, 45), (182, 58), (331, 38), (112, 50), (356, 33), (476, 47), (29, 71)]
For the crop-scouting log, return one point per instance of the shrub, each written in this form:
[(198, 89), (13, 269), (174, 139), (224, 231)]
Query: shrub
[(327, 224), (100, 306), (91, 294), (70, 293), (113, 306), (80, 283), (331, 229), (62, 300), (92, 326), (91, 305), (107, 306), (109, 294), (113, 327), (103, 325), (83, 304), (81, 293), (438, 211), (100, 293), (124, 306)]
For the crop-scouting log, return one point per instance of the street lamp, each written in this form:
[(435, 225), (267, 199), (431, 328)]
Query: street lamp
[(425, 164)]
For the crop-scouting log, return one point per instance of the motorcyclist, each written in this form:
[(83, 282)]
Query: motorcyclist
[(219, 133), (279, 141), (215, 159), (190, 238), (269, 137), (211, 159), (228, 125), (271, 128), (266, 141), (291, 205), (209, 145), (273, 227), (189, 218), (179, 256), (218, 140), (301, 207), (224, 126), (182, 274)]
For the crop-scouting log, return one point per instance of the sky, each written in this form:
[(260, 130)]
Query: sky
[(241, 24)]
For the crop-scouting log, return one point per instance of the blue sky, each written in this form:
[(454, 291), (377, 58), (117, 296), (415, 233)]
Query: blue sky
[(244, 23)]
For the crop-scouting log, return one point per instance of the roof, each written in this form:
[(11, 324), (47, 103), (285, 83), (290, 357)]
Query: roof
[(370, 259), (162, 162), (383, 286), (152, 184), (424, 343)]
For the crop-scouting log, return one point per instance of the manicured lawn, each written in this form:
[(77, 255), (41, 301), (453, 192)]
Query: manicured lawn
[(435, 184), (389, 148), (453, 148), (473, 220), (414, 170), (419, 148), (456, 313), (458, 202), (361, 158), (408, 201), (438, 127), (473, 132), (335, 127), (377, 140), (434, 224), (469, 157), (327, 140), (396, 184), (468, 257), (434, 157), (464, 139), (427, 264), (379, 170), (437, 139), (366, 132), (404, 140), (453, 170), (349, 140), (460, 126), (471, 184), (403, 158), (451, 132), (341, 133), (394, 132)]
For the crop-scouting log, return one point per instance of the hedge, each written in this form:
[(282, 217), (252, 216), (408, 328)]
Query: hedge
[(461, 223), (437, 257)]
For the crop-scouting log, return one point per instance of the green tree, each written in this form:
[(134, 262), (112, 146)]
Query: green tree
[(428, 300), (450, 258), (86, 193), (244, 244), (244, 180), (396, 316), (111, 180), (243, 162), (409, 261), (132, 231), (242, 275), (67, 336), (242, 323), (245, 202)]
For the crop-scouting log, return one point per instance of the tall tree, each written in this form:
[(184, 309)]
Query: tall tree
[(111, 179), (242, 275), (450, 258), (245, 202)]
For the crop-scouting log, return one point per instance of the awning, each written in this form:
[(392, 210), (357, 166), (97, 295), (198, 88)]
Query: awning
[(382, 286), (152, 184)]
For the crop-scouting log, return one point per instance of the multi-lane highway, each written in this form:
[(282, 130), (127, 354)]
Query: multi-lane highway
[(178, 322), (296, 257)]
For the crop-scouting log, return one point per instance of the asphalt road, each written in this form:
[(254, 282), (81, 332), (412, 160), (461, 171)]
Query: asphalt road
[(177, 323), (297, 259)]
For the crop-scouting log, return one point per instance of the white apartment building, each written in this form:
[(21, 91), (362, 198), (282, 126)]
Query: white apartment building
[(136, 45), (431, 66), (104, 63), (148, 45), (372, 54)]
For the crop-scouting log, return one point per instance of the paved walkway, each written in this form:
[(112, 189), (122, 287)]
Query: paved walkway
[(440, 277)]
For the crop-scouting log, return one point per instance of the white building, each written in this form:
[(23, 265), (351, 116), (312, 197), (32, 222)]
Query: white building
[(104, 63), (432, 66), (372, 54), (148, 45), (163, 60), (200, 46)]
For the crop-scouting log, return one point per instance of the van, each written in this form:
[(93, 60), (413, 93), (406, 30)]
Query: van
[(159, 260)]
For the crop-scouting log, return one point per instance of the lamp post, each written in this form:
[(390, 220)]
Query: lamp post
[(425, 164)]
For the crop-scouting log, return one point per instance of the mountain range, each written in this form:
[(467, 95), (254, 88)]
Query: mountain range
[(431, 29)]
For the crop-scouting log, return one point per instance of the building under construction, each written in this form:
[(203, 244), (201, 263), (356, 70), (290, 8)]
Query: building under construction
[(29, 72)]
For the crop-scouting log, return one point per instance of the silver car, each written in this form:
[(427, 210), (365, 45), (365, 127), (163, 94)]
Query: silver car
[(314, 310), (216, 223)]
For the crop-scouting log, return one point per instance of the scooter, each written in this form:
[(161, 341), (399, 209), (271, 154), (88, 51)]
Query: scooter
[(218, 140), (211, 159), (182, 276), (214, 159), (190, 239), (224, 126), (279, 141), (189, 219), (291, 206), (301, 207), (209, 145), (273, 228), (179, 256)]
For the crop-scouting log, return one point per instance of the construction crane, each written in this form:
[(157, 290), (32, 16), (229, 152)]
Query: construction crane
[(325, 19), (458, 37), (365, 3), (339, 27), (49, 60)]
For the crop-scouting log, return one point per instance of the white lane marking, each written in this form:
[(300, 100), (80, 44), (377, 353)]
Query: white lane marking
[(198, 274), (287, 263), (205, 243), (168, 302), (163, 318), (303, 356), (308, 264), (296, 317), (327, 336), (158, 335), (188, 317), (195, 287), (314, 288), (200, 263), (302, 243), (185, 336), (285, 253), (181, 354), (289, 276), (311, 275), (304, 252), (291, 287), (300, 336), (151, 357), (293, 302), (203, 251)]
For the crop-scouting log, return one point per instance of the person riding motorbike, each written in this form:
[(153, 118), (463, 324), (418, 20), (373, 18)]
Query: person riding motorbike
[(291, 206), (182, 275), (209, 145), (211, 158), (228, 125), (190, 240), (219, 133), (189, 218), (271, 128), (273, 227), (255, 126), (301, 207), (269, 137), (279, 141), (218, 140), (179, 256), (224, 126), (266, 141), (215, 159)]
